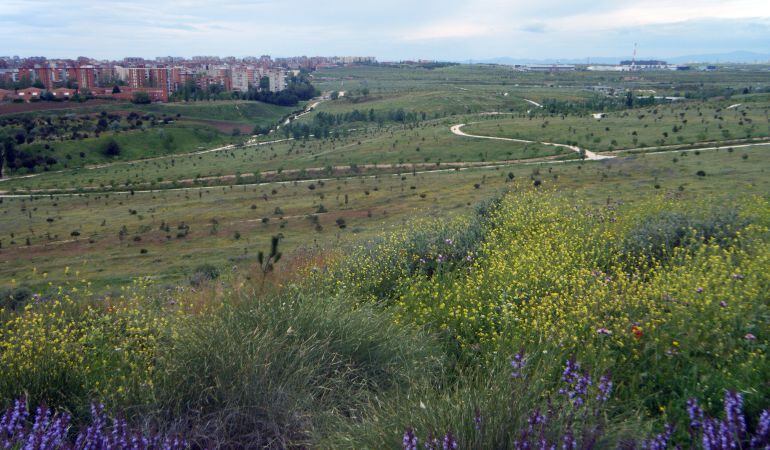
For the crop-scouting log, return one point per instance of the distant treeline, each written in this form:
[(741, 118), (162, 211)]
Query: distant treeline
[(324, 124), (297, 89)]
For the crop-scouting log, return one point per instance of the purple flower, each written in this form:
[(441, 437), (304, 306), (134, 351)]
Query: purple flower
[(449, 442), (577, 383), (605, 388), (50, 430), (738, 276), (535, 419), (441, 258), (762, 436), (568, 441), (659, 442), (477, 419), (603, 331), (517, 364), (734, 418), (750, 337), (723, 304), (410, 440), (695, 413), (699, 290), (448, 241)]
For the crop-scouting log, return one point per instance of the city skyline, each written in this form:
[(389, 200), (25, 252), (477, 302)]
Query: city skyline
[(453, 30)]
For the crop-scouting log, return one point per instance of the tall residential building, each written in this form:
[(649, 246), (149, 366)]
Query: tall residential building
[(241, 78), (277, 80)]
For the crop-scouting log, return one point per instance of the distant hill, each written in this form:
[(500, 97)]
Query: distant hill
[(730, 57)]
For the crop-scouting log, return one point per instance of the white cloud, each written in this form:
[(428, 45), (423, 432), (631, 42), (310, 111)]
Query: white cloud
[(447, 30)]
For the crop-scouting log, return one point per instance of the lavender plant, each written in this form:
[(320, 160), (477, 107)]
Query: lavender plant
[(563, 425), (53, 430)]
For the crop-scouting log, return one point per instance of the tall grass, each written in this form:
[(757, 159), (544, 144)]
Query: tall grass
[(275, 372)]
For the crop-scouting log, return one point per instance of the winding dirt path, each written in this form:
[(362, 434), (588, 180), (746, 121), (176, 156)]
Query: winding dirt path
[(457, 130)]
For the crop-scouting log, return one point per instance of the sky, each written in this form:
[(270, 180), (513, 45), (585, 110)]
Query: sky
[(456, 30)]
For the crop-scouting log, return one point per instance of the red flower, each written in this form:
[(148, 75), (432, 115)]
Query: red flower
[(638, 333)]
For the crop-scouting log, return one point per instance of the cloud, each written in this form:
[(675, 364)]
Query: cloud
[(445, 29), (534, 27)]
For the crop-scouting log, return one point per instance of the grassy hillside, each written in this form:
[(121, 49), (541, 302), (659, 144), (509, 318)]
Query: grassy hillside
[(663, 298), (369, 278)]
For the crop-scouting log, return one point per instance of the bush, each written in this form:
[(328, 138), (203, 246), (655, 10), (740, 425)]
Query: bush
[(657, 235), (203, 274), (111, 148), (14, 298), (141, 98)]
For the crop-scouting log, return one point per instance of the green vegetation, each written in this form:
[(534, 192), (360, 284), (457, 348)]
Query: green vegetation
[(374, 277)]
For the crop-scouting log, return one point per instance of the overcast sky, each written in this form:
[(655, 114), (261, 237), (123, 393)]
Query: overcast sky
[(389, 30)]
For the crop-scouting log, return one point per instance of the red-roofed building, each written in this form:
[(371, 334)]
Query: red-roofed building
[(29, 94), (127, 93), (63, 93), (6, 94)]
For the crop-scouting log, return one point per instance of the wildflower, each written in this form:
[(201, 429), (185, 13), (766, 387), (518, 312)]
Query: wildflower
[(659, 442), (448, 241), (737, 276), (568, 441), (723, 304), (695, 413), (410, 440), (603, 331), (518, 363), (605, 388), (577, 383), (637, 331), (699, 290), (477, 419), (536, 419), (441, 258), (734, 418), (762, 436), (750, 337), (449, 442)]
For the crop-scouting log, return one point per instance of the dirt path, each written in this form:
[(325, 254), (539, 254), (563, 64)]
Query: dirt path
[(457, 129)]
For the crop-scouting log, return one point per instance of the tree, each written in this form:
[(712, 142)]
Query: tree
[(141, 97), (111, 148), (629, 99), (335, 95), (116, 89), (264, 84)]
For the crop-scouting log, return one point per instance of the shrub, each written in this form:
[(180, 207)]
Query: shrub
[(111, 148), (14, 298), (655, 236), (203, 274)]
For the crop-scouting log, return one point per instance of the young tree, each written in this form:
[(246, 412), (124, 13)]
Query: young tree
[(111, 148), (141, 98)]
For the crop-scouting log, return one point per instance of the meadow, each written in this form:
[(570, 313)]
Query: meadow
[(394, 285)]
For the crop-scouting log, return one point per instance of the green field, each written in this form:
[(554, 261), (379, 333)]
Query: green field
[(69, 141)]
